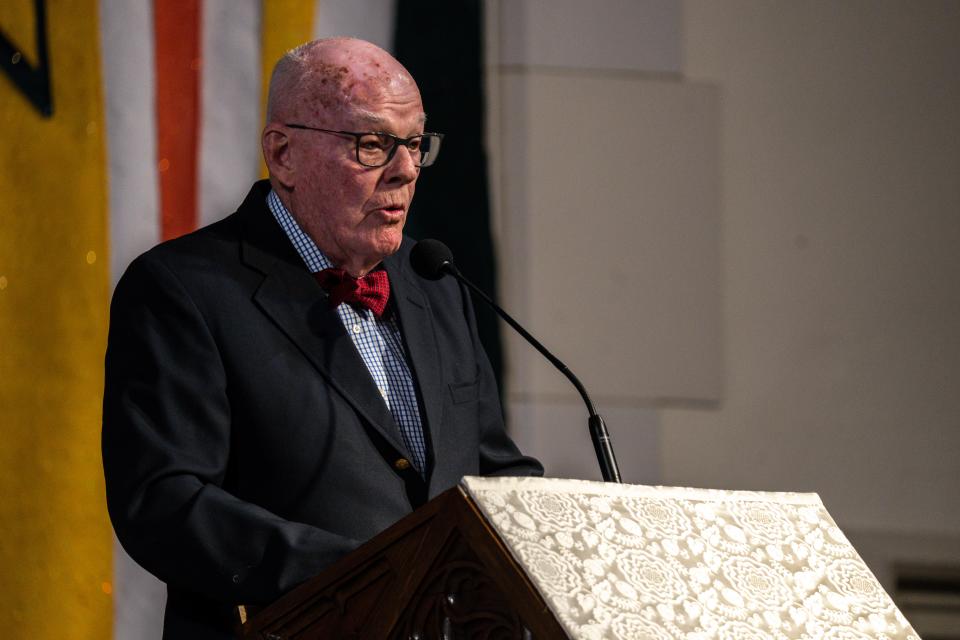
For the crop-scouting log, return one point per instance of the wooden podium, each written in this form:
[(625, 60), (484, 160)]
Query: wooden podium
[(440, 572), (524, 558)]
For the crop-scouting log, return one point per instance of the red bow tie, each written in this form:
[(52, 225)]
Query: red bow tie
[(371, 291)]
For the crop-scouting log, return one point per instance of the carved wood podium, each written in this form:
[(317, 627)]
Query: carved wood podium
[(524, 558), (439, 569)]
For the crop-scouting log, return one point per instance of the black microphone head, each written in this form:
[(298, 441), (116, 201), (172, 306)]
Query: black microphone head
[(430, 259)]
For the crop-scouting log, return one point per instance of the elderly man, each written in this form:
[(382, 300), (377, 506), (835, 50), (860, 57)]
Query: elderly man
[(280, 386)]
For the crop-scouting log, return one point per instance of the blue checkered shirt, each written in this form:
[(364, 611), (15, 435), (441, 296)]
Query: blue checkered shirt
[(377, 339)]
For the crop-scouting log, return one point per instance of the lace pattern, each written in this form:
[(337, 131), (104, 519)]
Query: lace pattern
[(665, 563)]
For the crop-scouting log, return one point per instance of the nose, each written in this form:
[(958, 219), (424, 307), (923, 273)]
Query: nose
[(401, 169)]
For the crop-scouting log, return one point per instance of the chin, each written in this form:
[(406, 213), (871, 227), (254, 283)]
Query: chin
[(390, 244), (392, 249)]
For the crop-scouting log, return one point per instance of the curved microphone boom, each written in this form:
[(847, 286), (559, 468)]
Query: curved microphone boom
[(431, 259)]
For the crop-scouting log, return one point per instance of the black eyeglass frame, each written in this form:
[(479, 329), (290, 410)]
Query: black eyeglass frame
[(397, 141)]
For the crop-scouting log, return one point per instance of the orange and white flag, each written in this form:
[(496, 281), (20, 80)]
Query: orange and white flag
[(123, 123)]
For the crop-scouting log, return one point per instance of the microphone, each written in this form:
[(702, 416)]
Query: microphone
[(431, 259)]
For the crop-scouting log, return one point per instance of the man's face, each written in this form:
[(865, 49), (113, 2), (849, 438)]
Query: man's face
[(354, 213)]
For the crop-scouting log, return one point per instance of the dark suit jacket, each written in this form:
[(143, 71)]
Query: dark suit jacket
[(245, 445)]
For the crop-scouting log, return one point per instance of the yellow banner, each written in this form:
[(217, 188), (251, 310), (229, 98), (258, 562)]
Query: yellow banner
[(285, 24), (55, 539)]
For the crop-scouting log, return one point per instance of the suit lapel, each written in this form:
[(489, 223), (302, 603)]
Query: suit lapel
[(419, 337), (291, 297)]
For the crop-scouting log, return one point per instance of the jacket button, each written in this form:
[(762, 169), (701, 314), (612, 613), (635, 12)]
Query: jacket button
[(402, 464)]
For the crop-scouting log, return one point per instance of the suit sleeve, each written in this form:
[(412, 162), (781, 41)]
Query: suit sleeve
[(499, 455), (166, 445)]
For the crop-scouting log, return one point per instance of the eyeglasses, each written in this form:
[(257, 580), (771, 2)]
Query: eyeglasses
[(375, 149)]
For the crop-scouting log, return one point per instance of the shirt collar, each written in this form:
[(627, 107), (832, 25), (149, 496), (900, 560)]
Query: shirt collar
[(312, 257)]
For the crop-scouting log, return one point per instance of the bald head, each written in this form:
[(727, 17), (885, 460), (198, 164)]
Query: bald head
[(330, 75)]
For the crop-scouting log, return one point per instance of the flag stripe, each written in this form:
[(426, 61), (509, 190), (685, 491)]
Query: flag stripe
[(284, 25), (54, 286), (129, 80), (230, 124), (177, 54), (128, 75)]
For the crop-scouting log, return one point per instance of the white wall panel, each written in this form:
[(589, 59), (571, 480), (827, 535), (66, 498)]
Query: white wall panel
[(556, 433), (637, 35), (612, 187)]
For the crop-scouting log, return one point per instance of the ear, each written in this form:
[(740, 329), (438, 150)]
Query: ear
[(278, 155)]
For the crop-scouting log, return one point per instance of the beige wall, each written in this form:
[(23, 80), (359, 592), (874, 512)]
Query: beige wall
[(569, 86), (837, 270), (841, 258)]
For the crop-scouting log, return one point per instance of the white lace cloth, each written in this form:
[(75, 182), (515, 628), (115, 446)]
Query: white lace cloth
[(665, 563)]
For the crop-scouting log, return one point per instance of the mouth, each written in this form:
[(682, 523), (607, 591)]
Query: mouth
[(391, 211)]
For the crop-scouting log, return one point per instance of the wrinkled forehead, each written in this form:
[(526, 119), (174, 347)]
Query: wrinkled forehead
[(358, 81), (374, 120)]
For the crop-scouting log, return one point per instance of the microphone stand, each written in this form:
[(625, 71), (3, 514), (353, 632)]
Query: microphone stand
[(598, 430)]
